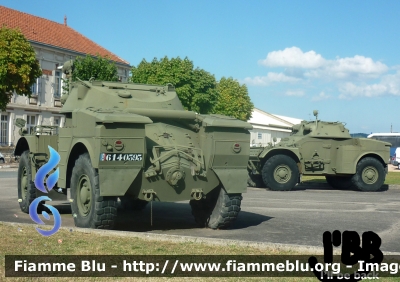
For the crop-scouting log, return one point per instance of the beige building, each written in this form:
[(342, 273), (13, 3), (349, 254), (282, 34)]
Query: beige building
[(266, 126), (54, 43)]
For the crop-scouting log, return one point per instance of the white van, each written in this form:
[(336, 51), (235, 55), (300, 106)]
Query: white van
[(397, 157)]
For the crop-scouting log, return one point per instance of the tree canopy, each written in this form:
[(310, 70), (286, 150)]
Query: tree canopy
[(197, 89), (101, 68), (233, 99), (19, 67)]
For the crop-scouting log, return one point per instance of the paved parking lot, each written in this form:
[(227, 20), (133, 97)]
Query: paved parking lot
[(297, 217)]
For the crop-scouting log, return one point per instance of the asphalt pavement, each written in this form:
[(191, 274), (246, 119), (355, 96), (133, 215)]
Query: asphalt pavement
[(298, 217)]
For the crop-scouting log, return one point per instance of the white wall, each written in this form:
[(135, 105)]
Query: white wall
[(266, 126), (47, 106), (267, 136)]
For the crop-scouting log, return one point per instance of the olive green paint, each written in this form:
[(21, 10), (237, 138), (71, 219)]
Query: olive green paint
[(169, 152)]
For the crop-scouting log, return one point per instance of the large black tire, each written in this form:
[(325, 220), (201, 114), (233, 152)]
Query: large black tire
[(218, 210), (89, 209), (280, 173), (370, 175), (2, 161), (339, 182), (26, 187), (130, 204)]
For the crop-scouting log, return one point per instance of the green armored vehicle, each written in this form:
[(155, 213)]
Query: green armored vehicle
[(320, 148), (137, 143)]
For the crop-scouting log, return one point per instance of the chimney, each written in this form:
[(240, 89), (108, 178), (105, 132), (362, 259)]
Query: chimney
[(65, 20)]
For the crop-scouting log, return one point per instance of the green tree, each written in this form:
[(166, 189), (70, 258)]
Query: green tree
[(196, 88), (101, 68), (19, 67), (233, 99)]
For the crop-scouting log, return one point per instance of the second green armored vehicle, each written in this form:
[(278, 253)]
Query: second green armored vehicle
[(320, 148), (137, 143)]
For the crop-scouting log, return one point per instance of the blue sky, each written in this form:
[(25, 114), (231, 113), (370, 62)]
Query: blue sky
[(340, 57)]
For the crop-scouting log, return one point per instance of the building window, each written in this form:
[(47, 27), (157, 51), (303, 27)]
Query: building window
[(35, 88), (57, 84), (4, 130), (31, 122), (259, 135), (56, 121)]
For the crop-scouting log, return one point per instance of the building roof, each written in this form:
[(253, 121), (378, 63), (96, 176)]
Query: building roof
[(259, 117), (392, 134), (40, 30)]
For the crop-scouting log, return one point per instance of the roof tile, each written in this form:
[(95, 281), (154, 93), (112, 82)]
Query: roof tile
[(37, 29)]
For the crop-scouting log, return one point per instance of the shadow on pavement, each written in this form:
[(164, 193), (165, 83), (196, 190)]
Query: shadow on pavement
[(326, 186), (322, 186), (166, 216), (174, 216)]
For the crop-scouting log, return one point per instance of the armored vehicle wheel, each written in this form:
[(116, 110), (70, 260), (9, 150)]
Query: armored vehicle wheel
[(280, 173), (370, 175), (26, 187), (130, 204), (89, 209), (218, 210), (1, 161), (338, 182)]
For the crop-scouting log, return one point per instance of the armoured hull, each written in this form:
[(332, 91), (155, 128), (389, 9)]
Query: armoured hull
[(135, 142), (320, 148)]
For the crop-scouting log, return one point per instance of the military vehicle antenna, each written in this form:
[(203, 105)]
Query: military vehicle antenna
[(315, 113)]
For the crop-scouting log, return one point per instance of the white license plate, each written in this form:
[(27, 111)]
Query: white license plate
[(115, 157)]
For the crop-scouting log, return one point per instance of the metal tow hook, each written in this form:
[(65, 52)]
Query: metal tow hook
[(148, 194), (197, 194)]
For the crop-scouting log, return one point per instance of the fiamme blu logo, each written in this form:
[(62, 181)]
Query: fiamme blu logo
[(42, 177)]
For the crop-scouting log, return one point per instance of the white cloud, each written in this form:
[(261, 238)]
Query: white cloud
[(293, 57), (297, 93), (358, 64), (352, 77), (349, 90), (316, 66), (343, 68), (321, 96), (270, 78), (389, 85), (356, 76)]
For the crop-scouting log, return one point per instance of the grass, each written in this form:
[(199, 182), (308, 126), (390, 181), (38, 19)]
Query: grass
[(392, 178), (25, 240)]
